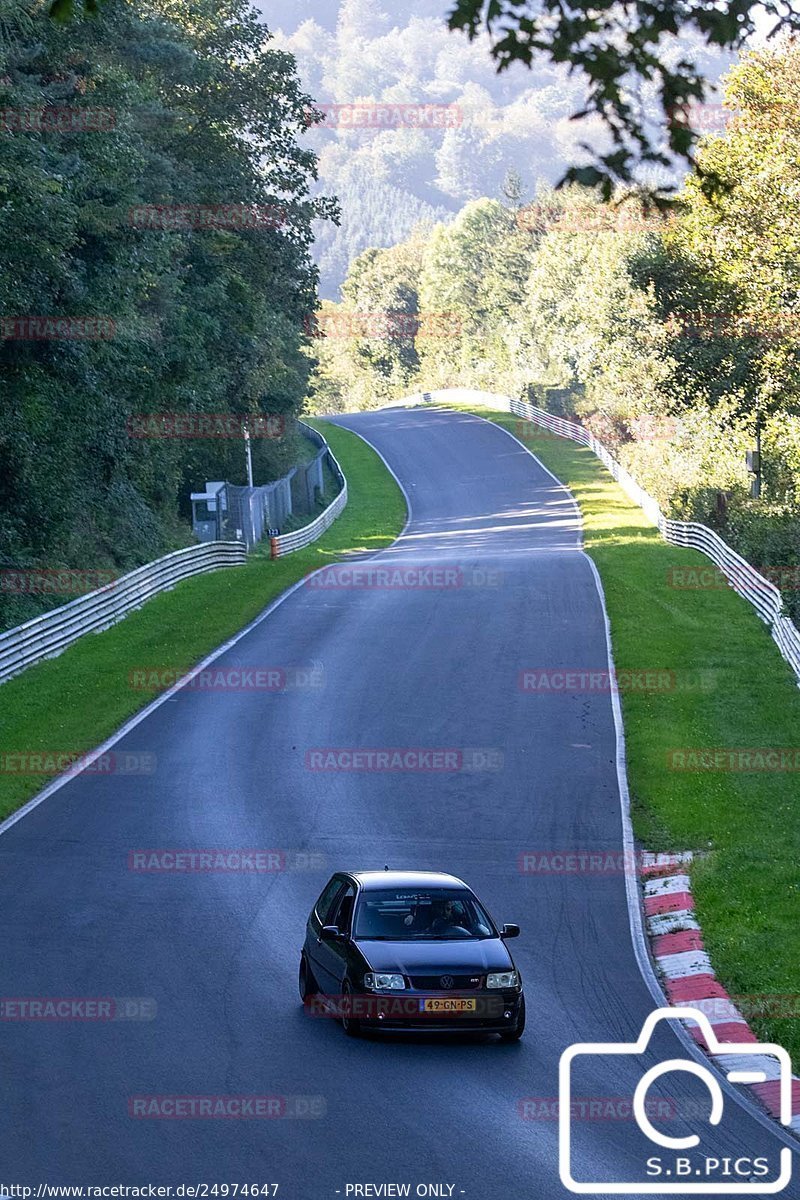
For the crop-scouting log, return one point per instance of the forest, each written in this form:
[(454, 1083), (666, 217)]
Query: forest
[(393, 178), (156, 223), (672, 333)]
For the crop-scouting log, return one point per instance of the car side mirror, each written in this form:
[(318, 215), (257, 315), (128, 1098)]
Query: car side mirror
[(509, 931), (333, 933)]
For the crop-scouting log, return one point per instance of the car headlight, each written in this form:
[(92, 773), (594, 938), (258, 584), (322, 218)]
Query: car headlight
[(379, 982), (503, 979)]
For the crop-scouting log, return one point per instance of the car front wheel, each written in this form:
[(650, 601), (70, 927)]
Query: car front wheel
[(306, 982), (514, 1034), (350, 1025)]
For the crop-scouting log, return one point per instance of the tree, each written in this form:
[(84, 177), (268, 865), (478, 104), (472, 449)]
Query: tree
[(471, 290), (748, 239), (620, 49), (592, 324), (197, 110), (367, 351)]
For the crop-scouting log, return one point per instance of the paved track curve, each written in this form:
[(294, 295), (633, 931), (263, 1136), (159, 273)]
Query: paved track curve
[(402, 667)]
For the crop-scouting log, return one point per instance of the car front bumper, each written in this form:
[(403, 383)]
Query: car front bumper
[(494, 1011)]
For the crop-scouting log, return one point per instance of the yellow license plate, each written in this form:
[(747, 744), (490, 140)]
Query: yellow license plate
[(447, 1004)]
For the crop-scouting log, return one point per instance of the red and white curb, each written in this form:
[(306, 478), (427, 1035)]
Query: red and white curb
[(688, 978)]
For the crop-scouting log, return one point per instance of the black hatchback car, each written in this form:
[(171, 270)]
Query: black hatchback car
[(409, 950)]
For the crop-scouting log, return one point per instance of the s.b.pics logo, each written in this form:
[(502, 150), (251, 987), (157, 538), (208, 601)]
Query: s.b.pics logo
[(675, 1160)]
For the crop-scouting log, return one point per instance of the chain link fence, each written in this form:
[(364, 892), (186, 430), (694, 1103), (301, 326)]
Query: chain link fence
[(229, 512)]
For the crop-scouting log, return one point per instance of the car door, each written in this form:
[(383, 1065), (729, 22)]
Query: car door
[(333, 954), (321, 915)]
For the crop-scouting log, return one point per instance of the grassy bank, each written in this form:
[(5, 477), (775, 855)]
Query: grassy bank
[(731, 689), (73, 702)]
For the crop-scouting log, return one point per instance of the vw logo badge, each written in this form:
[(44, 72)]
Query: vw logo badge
[(446, 981)]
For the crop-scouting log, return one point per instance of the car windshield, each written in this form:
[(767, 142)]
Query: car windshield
[(406, 914)]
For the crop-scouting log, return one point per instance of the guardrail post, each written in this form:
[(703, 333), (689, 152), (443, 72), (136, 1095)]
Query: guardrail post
[(274, 549)]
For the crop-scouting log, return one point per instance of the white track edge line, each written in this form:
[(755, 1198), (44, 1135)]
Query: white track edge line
[(406, 497), (556, 480), (640, 943), (92, 755), (640, 950)]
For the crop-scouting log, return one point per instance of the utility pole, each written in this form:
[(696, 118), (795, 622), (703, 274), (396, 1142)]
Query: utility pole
[(248, 453)]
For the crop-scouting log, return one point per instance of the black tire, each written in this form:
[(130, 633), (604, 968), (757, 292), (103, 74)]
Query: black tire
[(306, 981), (513, 1035), (350, 1025)]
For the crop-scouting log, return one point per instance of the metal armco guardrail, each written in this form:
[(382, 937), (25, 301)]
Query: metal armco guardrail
[(47, 635), (742, 577), (286, 543)]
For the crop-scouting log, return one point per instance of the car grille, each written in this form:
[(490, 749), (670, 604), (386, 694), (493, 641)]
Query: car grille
[(441, 983)]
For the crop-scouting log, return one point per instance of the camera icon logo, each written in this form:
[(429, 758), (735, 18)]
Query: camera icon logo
[(688, 1183)]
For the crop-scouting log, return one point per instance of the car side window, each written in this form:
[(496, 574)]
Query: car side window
[(342, 911), (325, 904)]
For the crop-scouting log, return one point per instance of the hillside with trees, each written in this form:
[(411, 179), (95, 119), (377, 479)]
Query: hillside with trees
[(674, 337), (392, 179), (150, 111)]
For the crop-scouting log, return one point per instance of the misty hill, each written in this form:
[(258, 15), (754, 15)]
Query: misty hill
[(391, 177)]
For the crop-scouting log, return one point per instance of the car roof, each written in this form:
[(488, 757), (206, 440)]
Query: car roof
[(370, 880)]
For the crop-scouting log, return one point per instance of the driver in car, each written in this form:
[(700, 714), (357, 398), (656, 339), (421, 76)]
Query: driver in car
[(450, 919)]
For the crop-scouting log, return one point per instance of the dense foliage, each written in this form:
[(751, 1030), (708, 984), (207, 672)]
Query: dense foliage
[(160, 103), (394, 176), (676, 340), (618, 48)]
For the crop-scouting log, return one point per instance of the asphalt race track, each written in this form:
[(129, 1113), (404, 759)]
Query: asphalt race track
[(401, 667)]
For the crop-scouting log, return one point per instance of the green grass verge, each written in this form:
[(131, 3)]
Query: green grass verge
[(732, 689), (73, 702)]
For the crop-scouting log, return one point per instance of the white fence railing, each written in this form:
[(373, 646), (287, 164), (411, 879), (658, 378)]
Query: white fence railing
[(47, 635), (286, 543), (743, 578)]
